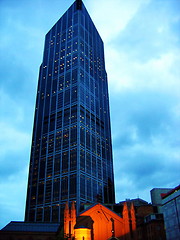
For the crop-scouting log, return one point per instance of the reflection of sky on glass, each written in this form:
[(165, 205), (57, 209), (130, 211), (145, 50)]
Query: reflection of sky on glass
[(142, 50)]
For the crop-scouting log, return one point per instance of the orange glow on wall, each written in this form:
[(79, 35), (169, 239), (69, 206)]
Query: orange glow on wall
[(104, 227), (82, 234), (100, 223), (69, 219)]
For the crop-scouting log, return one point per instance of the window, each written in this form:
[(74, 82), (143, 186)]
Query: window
[(73, 159), (73, 186), (56, 188), (65, 138), (82, 160), (88, 163), (58, 140), (48, 191), (47, 214), (82, 186), (64, 188), (55, 213), (39, 215), (73, 136), (66, 117), (74, 95), (57, 160), (67, 97), (65, 161), (74, 114)]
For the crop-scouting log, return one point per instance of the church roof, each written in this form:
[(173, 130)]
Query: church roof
[(100, 206)]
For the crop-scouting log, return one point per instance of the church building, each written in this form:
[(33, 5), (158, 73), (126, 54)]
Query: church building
[(99, 223)]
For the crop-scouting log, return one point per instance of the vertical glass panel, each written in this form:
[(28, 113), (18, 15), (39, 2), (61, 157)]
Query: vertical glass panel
[(42, 168), (39, 214), (87, 139), (73, 159), (49, 168), (64, 188), (82, 186), (65, 138), (73, 186), (94, 170), (82, 160), (32, 215), (33, 194), (74, 94), (67, 97), (48, 191), (88, 163), (47, 214), (55, 214), (73, 114), (57, 160), (66, 117), (82, 136), (53, 103), (58, 141), (56, 189), (88, 188), (65, 161), (73, 136), (40, 192), (59, 119), (100, 192)]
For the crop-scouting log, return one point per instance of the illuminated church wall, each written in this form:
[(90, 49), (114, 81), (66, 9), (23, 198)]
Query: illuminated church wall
[(83, 234), (100, 223), (103, 224)]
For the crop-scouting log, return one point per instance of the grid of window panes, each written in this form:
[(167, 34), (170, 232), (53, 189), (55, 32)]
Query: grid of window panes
[(71, 156)]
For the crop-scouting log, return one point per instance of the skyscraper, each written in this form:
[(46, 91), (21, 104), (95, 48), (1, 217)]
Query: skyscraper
[(71, 154)]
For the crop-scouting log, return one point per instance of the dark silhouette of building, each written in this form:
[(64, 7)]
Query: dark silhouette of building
[(71, 154)]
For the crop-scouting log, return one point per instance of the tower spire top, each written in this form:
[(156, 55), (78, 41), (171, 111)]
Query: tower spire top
[(79, 4)]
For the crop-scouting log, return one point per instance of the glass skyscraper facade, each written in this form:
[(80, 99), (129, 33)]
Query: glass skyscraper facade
[(71, 154)]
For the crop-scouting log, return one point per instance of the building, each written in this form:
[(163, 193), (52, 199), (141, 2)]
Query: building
[(71, 154), (99, 222), (171, 212), (149, 222), (137, 202), (156, 196), (30, 231), (94, 223)]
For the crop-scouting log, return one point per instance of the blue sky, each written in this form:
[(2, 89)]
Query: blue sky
[(142, 53)]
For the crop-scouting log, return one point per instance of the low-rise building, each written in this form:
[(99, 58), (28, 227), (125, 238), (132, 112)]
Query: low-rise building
[(171, 212)]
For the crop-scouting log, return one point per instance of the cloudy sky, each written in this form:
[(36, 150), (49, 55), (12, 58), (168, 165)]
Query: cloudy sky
[(142, 50)]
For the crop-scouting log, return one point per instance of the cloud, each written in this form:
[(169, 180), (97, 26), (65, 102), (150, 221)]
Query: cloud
[(142, 61), (14, 147), (156, 73), (12, 195), (145, 142), (111, 17)]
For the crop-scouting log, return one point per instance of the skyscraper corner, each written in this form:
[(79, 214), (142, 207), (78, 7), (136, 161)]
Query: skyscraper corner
[(71, 153)]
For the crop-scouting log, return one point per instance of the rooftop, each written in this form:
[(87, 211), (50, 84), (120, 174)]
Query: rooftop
[(31, 227)]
